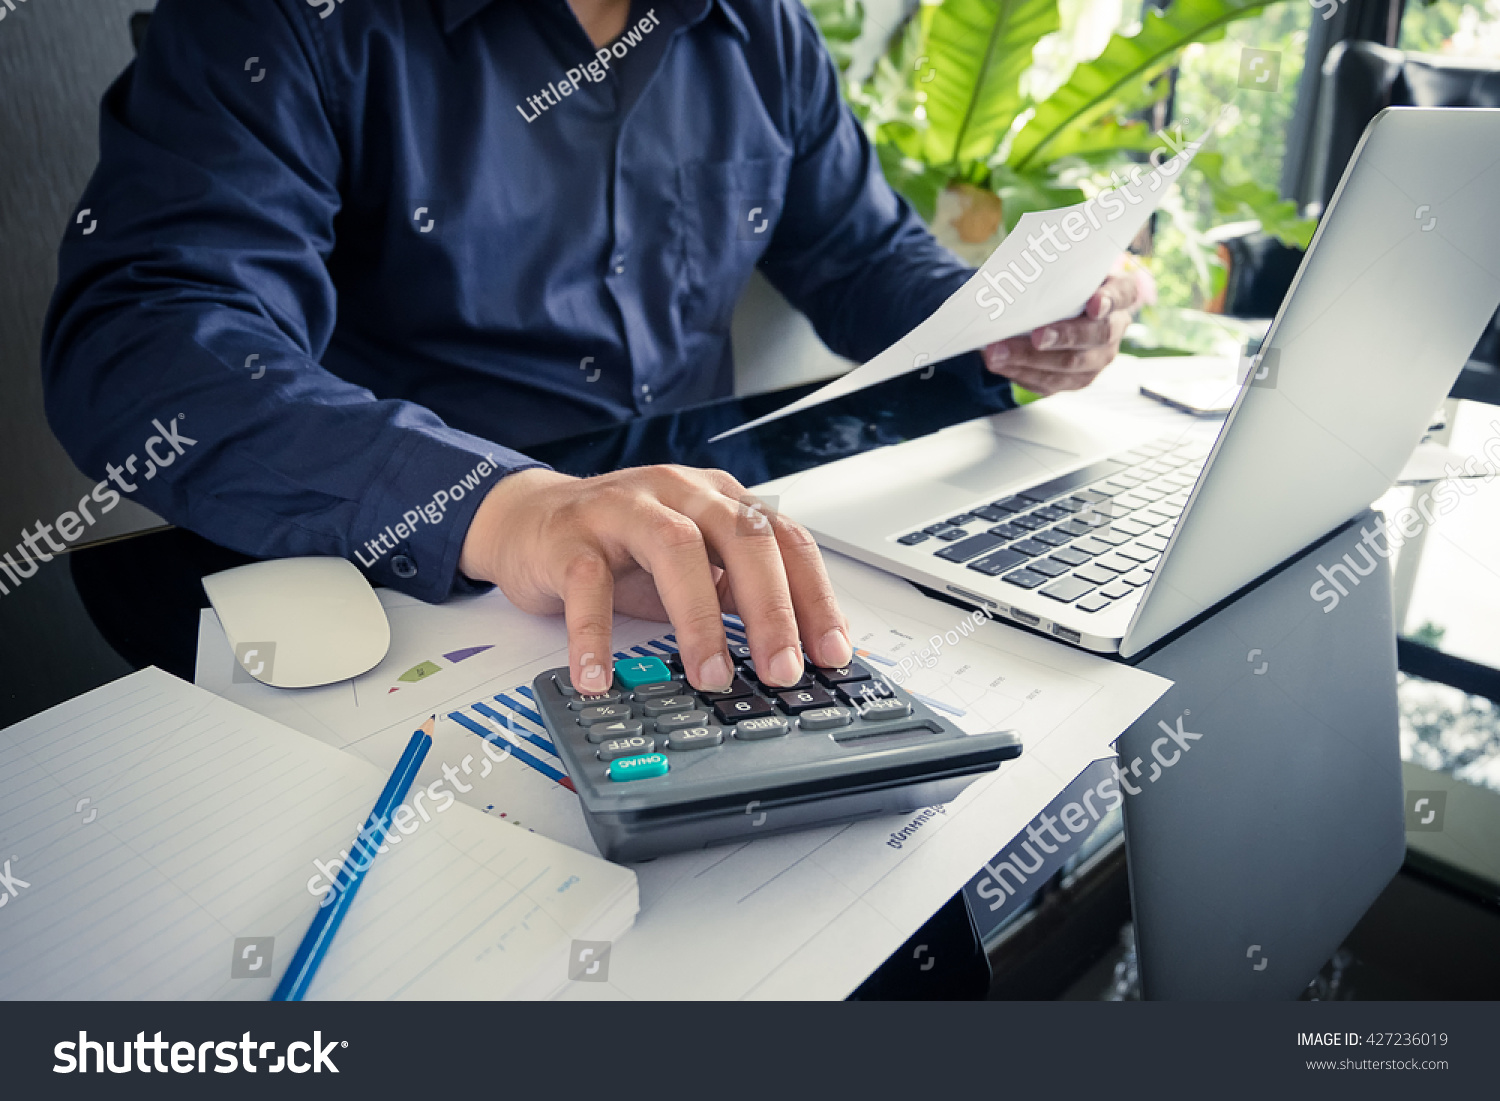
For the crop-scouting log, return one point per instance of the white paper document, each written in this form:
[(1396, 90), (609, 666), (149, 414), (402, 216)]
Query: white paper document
[(1045, 270), (164, 843), (802, 915)]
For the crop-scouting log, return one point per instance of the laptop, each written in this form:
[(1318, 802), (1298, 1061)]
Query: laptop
[(1077, 527)]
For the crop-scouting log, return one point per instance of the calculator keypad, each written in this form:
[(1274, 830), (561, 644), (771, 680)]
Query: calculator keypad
[(662, 715)]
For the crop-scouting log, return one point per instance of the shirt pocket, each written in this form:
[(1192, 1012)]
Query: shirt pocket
[(729, 213)]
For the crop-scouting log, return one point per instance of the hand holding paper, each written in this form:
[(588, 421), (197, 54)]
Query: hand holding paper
[(1045, 270)]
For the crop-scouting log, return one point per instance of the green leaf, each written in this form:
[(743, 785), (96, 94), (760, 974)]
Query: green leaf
[(1277, 216), (1022, 194), (1095, 89), (1104, 141), (976, 51), (917, 182), (841, 22)]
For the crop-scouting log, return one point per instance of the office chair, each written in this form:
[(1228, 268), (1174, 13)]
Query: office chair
[(1359, 80)]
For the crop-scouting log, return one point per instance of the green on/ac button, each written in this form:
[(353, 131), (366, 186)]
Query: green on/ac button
[(642, 767)]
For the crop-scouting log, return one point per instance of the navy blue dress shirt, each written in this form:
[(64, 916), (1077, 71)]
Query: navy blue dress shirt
[(366, 251)]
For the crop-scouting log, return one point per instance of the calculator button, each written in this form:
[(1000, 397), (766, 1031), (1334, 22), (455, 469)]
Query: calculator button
[(1092, 603), (1116, 589), (739, 651), (578, 703), (804, 699), (609, 713), (654, 691), (883, 710), (825, 718), (695, 737), (564, 683), (948, 535), (630, 672), (664, 704), (639, 768), (753, 730), (805, 682), (751, 707), (853, 671), (681, 720), (861, 692), (738, 689), (622, 728), (914, 537), (615, 748)]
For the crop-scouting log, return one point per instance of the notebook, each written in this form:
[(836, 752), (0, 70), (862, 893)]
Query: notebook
[(160, 842)]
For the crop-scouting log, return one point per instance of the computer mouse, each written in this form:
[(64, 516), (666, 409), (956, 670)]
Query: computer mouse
[(300, 622)]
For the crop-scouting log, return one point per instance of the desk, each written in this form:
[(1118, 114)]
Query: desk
[(136, 601)]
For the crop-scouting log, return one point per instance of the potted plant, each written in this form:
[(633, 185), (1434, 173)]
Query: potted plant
[(959, 136)]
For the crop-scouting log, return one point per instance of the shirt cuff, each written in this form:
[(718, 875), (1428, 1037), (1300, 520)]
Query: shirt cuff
[(411, 534)]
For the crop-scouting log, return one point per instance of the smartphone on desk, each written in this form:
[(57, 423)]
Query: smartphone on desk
[(1202, 397)]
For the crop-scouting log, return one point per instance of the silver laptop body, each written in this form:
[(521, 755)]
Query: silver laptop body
[(1076, 526)]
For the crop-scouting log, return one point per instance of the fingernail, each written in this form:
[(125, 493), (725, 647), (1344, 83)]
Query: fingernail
[(593, 678), (1106, 306), (1047, 339), (786, 667), (999, 353), (835, 649), (714, 674)]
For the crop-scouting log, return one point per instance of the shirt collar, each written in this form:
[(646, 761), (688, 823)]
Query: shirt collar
[(457, 12)]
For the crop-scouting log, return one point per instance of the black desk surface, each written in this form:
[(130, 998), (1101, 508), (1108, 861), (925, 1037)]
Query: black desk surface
[(100, 612)]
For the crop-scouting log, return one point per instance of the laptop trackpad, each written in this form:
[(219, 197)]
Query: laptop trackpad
[(1009, 462)]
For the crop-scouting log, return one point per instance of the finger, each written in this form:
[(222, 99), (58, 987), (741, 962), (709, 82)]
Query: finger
[(1005, 352), (823, 627), (587, 588), (744, 539), (1118, 292), (1077, 332), (1089, 361), (670, 546)]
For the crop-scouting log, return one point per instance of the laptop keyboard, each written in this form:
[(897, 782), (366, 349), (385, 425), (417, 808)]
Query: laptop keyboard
[(1085, 539)]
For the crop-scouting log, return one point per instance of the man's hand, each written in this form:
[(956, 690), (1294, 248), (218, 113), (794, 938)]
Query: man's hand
[(1068, 355), (667, 543)]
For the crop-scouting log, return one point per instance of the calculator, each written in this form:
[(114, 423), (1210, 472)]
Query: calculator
[(660, 767)]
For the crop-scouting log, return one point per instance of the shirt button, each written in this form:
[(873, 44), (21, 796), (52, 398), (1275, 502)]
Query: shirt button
[(403, 567)]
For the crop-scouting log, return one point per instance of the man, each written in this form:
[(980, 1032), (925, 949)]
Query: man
[(362, 250)]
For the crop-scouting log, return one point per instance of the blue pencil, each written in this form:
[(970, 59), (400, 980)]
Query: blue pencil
[(299, 974)]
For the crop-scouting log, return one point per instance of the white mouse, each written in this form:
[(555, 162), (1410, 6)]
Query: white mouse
[(300, 622)]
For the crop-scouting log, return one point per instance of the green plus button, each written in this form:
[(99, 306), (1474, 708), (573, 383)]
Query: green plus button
[(633, 672), (643, 767)]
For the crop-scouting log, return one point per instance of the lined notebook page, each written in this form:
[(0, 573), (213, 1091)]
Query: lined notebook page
[(201, 824)]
